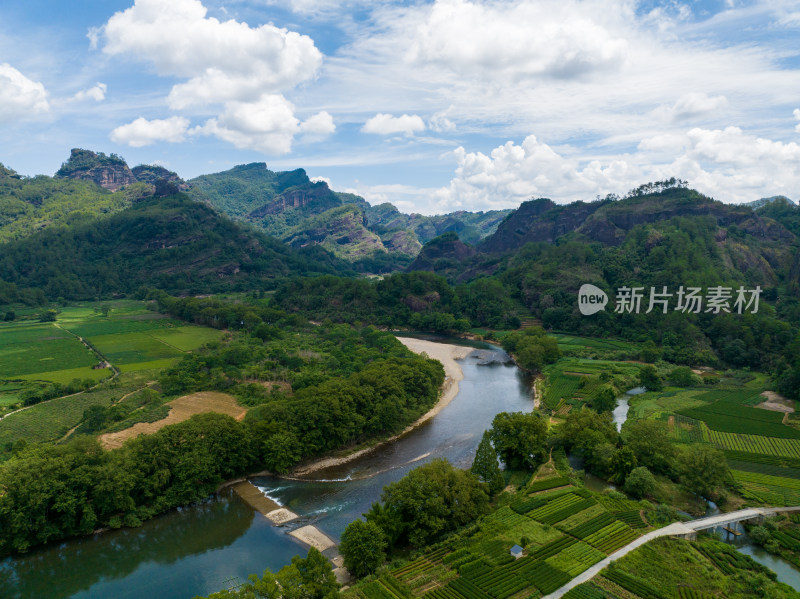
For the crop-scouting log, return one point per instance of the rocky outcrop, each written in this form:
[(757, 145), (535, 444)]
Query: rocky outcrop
[(151, 174), (108, 171), (312, 198), (341, 230)]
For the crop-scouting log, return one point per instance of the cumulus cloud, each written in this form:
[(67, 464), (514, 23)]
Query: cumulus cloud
[(514, 173), (267, 125), (727, 164), (321, 124), (97, 93), (386, 124), (516, 39), (20, 97), (222, 61), (142, 132)]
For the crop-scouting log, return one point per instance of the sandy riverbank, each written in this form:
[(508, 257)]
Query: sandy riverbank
[(445, 353)]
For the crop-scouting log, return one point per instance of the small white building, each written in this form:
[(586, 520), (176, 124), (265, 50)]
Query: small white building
[(516, 551)]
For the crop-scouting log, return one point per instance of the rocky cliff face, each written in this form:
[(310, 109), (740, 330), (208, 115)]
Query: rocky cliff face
[(341, 230), (447, 248), (313, 198), (108, 171), (151, 174)]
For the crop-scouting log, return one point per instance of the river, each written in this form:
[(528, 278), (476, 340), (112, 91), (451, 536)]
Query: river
[(204, 548)]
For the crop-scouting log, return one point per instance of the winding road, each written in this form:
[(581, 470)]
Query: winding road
[(677, 529)]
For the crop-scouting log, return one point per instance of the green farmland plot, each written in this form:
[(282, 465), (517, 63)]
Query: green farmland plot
[(186, 338), (130, 348), (730, 415), (28, 349)]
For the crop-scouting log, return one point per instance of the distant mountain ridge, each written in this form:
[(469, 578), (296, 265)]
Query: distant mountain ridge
[(300, 211)]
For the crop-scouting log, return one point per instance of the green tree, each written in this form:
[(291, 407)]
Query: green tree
[(650, 441), (640, 483), (486, 467), (621, 464), (703, 469), (520, 438), (649, 378), (48, 316), (433, 499), (10, 315), (363, 546), (682, 376), (604, 399), (316, 575)]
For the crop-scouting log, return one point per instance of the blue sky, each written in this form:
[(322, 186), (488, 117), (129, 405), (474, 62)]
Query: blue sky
[(433, 106)]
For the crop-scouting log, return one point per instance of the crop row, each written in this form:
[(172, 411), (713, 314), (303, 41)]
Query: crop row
[(592, 526), (632, 584), (741, 397), (617, 505), (743, 420), (467, 590), (766, 479), (787, 541), (585, 591), (395, 587), (728, 560), (689, 593), (632, 518), (576, 558), (561, 508), (547, 578), (523, 506), (789, 448), (375, 590), (563, 387), (411, 569), (496, 550), (612, 537), (553, 547), (682, 428), (766, 460), (503, 519), (548, 483)]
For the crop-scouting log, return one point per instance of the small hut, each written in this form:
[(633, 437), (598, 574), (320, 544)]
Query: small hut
[(516, 551)]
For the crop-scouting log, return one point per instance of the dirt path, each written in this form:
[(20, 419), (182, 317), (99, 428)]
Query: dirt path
[(182, 409)]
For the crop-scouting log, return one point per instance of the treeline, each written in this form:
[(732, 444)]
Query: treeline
[(418, 300), (532, 348), (645, 450)]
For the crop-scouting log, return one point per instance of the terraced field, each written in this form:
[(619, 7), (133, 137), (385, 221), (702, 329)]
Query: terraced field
[(479, 565)]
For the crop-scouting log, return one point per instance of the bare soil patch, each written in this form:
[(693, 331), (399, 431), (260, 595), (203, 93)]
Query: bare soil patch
[(181, 409), (776, 403)]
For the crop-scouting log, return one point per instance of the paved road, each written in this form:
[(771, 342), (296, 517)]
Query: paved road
[(673, 530)]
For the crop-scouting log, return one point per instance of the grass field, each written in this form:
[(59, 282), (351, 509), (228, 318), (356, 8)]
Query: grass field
[(135, 340), (130, 337)]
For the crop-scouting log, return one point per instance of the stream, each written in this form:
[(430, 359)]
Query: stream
[(216, 544)]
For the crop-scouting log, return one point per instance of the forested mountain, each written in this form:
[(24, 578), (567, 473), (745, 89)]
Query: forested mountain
[(171, 243), (301, 212), (660, 235)]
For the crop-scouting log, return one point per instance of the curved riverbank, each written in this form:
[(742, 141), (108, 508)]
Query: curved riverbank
[(445, 353)]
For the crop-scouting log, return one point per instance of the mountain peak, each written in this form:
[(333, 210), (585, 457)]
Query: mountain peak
[(108, 171)]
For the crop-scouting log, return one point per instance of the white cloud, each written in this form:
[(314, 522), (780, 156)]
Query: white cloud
[(727, 164), (321, 124), (693, 105), (222, 61), (796, 114), (516, 39), (386, 124), (97, 93), (514, 173), (20, 97), (267, 125), (142, 132)]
